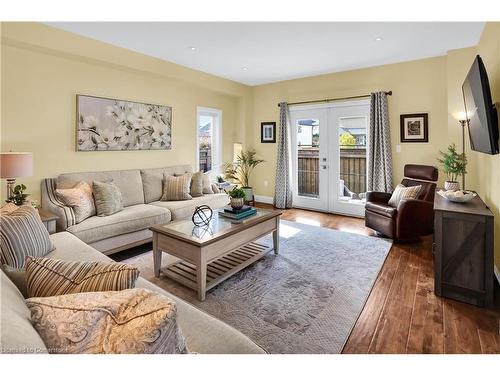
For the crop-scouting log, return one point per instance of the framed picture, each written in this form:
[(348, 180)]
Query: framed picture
[(414, 127), (104, 124), (268, 132)]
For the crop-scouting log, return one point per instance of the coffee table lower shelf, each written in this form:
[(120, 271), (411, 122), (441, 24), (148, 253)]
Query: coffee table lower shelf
[(220, 269)]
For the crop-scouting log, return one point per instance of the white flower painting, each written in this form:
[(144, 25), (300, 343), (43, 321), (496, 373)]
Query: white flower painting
[(114, 125)]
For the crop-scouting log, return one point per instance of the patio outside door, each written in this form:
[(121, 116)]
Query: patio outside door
[(329, 147)]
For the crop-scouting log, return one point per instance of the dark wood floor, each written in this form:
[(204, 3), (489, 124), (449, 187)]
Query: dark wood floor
[(402, 314)]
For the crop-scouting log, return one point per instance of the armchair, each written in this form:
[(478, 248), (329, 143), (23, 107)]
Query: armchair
[(413, 217)]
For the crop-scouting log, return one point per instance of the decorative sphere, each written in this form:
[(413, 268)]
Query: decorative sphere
[(202, 215)]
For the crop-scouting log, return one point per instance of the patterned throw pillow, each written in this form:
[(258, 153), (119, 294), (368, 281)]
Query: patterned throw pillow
[(52, 277), (80, 199), (207, 185), (133, 321), (401, 192), (108, 198), (22, 233), (176, 188), (196, 189)]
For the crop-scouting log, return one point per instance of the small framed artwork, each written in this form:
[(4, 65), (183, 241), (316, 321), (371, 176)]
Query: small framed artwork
[(414, 127), (267, 132)]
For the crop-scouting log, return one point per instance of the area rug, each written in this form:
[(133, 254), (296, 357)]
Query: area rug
[(305, 300)]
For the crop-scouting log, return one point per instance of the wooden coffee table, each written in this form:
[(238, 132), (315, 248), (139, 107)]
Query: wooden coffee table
[(209, 255)]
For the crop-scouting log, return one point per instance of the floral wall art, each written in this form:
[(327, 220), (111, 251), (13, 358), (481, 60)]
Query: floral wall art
[(113, 125)]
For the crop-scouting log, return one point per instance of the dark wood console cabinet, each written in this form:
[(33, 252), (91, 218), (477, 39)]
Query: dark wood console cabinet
[(463, 251)]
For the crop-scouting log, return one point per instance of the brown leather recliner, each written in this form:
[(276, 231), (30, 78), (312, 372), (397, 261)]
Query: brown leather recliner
[(413, 217)]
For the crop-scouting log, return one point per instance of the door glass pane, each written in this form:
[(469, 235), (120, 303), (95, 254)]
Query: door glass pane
[(308, 157), (205, 132), (352, 147)]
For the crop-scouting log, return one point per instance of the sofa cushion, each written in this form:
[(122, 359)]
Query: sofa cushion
[(177, 188), (184, 209), (196, 189), (133, 321), (108, 198), (22, 233), (381, 209), (80, 199), (130, 219), (17, 333), (47, 277), (152, 180), (128, 181), (203, 333), (402, 192)]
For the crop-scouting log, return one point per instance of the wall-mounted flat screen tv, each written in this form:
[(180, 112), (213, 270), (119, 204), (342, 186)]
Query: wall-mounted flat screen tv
[(480, 110)]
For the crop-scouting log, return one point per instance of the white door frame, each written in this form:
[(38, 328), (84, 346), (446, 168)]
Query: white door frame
[(329, 134)]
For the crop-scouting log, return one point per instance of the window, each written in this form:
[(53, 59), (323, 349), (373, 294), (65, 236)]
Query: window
[(209, 134)]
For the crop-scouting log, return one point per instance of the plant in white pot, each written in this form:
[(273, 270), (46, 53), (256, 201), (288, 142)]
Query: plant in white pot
[(240, 170), (454, 165)]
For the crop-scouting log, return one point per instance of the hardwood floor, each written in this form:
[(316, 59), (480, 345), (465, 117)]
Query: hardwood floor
[(402, 313)]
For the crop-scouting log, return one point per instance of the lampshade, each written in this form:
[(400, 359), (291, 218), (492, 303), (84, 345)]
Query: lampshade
[(16, 164)]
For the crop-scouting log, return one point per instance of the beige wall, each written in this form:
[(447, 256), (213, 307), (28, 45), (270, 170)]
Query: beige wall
[(44, 68), (485, 169), (418, 86)]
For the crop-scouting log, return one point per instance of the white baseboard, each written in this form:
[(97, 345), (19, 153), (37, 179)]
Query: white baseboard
[(264, 199), (497, 274)]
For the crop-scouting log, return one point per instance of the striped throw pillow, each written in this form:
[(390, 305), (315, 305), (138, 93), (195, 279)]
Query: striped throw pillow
[(47, 277), (402, 192), (22, 233), (177, 188)]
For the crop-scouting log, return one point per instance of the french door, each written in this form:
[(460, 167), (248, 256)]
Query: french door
[(329, 148)]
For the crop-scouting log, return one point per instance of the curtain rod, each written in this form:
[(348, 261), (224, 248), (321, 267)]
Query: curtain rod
[(334, 99)]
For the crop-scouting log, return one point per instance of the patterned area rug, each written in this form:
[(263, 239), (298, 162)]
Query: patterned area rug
[(305, 300)]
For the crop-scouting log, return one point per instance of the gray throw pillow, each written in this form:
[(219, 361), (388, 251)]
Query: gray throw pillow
[(207, 184), (22, 233), (197, 184), (107, 197)]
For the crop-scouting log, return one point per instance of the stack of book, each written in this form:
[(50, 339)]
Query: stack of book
[(240, 214)]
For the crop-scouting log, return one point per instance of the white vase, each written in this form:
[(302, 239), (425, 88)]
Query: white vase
[(451, 185)]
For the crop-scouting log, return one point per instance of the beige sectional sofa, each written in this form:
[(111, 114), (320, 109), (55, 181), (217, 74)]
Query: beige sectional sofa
[(141, 191), (203, 333)]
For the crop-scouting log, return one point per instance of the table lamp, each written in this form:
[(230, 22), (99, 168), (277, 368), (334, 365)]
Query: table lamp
[(14, 165)]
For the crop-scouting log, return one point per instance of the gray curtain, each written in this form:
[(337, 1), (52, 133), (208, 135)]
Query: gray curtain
[(283, 184), (379, 150)]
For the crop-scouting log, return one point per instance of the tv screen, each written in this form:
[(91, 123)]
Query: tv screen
[(480, 110)]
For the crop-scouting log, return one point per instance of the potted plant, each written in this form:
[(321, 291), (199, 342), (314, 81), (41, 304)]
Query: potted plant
[(237, 198), (240, 171), (454, 165), (19, 196)]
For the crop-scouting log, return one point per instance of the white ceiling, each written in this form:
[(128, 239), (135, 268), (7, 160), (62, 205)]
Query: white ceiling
[(279, 51)]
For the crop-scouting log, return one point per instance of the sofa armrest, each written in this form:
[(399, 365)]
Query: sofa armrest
[(215, 188), (65, 215), (378, 197)]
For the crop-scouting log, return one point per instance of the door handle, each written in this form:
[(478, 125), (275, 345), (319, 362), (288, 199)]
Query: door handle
[(323, 166)]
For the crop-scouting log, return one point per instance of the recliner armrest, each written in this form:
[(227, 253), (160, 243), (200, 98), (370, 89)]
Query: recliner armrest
[(378, 197), (415, 216)]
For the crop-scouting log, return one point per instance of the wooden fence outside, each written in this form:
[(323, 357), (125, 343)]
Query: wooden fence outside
[(352, 170)]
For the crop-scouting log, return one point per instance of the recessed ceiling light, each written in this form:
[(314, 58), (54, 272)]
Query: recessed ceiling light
[(192, 48), (378, 39), (244, 68)]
